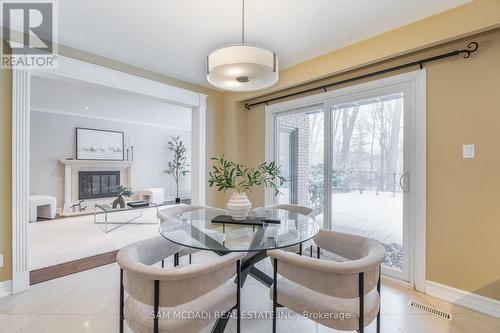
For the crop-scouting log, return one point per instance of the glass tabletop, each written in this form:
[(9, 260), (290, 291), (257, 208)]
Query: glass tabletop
[(109, 208), (195, 229)]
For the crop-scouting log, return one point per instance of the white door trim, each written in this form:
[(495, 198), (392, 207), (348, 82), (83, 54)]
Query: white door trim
[(416, 80), (20, 178), (420, 183), (69, 68)]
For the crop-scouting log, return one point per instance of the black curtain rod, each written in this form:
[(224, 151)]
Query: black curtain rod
[(471, 48)]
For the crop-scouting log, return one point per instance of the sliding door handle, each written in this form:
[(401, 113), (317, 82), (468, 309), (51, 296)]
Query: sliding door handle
[(404, 182)]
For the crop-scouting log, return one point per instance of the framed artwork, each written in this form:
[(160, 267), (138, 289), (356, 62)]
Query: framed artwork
[(96, 144)]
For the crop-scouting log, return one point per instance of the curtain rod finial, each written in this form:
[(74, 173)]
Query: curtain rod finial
[(472, 47)]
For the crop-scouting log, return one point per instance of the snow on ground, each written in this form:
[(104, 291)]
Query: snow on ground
[(371, 214), (379, 216)]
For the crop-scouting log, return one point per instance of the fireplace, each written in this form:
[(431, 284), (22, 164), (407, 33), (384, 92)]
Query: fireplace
[(97, 184)]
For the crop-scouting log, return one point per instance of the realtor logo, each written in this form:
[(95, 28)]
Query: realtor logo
[(29, 30)]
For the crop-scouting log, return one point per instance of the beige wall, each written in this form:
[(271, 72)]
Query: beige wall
[(5, 172), (462, 108), (463, 229)]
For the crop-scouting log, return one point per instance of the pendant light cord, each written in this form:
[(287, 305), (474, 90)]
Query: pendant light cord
[(243, 22)]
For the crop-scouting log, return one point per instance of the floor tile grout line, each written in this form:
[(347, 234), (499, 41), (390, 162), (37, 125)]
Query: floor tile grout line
[(28, 323), (394, 323)]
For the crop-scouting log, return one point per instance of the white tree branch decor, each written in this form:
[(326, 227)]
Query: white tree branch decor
[(178, 166)]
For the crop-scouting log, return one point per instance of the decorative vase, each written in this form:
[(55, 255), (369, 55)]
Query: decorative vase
[(119, 201), (239, 206)]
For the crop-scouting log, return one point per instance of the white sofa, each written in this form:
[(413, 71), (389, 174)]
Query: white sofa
[(42, 206)]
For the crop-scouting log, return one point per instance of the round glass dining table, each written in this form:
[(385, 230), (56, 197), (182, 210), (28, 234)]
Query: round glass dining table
[(265, 229)]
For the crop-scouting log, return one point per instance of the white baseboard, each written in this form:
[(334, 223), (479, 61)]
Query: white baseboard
[(463, 298), (5, 288), (395, 281)]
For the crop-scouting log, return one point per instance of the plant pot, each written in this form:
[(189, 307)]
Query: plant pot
[(119, 202), (177, 200), (239, 206)]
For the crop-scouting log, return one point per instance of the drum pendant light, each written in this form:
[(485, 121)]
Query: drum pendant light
[(241, 67)]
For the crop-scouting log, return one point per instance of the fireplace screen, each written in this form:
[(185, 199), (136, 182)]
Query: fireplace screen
[(97, 184)]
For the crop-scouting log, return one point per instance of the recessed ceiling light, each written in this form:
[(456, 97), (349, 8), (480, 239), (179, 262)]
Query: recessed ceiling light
[(157, 118), (85, 107)]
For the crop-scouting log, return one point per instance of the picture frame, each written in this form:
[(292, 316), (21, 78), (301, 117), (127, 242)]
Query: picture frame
[(98, 144)]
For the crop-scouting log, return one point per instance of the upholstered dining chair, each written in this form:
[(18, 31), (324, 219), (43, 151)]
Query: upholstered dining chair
[(347, 293), (295, 209), (158, 297), (174, 210)]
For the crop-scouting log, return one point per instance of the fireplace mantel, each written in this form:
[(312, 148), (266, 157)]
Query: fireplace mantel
[(97, 163), (72, 167)]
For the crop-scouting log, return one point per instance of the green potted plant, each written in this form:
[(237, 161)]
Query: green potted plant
[(121, 191), (178, 166), (228, 175)]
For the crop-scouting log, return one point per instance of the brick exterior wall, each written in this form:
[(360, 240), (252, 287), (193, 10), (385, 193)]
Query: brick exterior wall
[(300, 122)]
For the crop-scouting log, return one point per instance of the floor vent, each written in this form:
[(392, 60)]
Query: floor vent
[(431, 310)]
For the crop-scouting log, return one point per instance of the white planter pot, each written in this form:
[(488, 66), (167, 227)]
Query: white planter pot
[(239, 206)]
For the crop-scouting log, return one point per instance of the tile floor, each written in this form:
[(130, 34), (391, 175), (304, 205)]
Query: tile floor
[(88, 302)]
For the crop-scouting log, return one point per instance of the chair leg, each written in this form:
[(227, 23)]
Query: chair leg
[(318, 254), (379, 295), (163, 263), (176, 259), (190, 259), (361, 302), (275, 292), (121, 300), (238, 296), (156, 305), (300, 249), (311, 251)]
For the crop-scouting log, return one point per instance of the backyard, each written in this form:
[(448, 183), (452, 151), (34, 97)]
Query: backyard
[(374, 215)]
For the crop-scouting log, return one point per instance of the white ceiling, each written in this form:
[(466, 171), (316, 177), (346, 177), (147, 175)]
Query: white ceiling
[(173, 37), (71, 97)]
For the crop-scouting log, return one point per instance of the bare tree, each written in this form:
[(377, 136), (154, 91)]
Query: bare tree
[(349, 117), (393, 151)]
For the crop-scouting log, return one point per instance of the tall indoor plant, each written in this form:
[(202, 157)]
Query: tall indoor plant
[(228, 175), (178, 166)]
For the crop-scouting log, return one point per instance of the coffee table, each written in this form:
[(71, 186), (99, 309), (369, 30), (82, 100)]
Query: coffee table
[(106, 209)]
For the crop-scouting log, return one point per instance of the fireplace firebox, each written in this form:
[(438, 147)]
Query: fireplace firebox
[(97, 184)]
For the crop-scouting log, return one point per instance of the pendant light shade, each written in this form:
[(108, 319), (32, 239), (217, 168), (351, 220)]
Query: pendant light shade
[(242, 68)]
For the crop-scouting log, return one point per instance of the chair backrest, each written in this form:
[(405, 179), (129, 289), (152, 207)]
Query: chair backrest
[(292, 208), (338, 279), (174, 210), (177, 285)]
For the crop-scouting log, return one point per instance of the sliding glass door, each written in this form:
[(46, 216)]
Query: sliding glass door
[(352, 157), (368, 173)]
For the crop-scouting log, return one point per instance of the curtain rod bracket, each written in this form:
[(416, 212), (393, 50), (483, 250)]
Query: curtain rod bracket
[(247, 106)]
